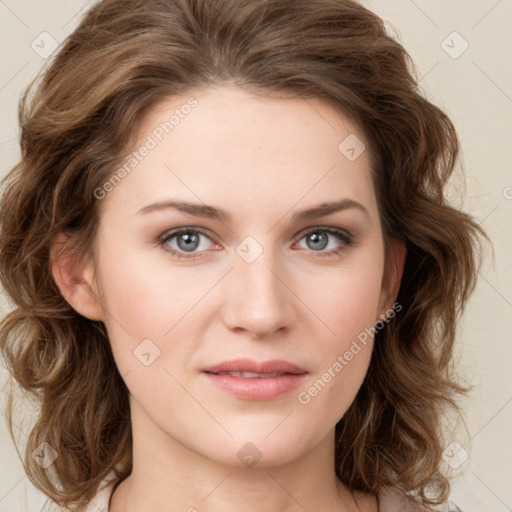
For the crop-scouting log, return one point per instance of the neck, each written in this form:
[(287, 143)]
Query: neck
[(168, 476)]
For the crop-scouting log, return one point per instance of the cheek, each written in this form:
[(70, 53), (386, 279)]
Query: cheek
[(142, 302), (346, 300), (346, 378), (342, 362), (145, 298), (348, 305)]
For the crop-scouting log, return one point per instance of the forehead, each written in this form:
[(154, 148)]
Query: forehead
[(228, 145)]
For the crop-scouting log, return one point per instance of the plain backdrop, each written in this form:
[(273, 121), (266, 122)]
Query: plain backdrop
[(463, 53)]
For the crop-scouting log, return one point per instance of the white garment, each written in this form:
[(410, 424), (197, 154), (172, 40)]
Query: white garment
[(391, 500)]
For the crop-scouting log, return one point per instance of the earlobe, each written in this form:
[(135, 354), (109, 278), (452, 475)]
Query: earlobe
[(75, 279)]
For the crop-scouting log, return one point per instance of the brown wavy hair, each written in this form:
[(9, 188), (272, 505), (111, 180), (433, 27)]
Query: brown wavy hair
[(77, 121)]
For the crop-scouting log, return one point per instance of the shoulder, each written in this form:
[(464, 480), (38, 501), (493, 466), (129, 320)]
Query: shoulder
[(100, 502), (395, 500)]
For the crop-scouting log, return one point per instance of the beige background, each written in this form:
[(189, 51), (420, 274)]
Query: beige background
[(475, 88)]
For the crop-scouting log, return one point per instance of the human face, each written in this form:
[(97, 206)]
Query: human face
[(253, 285)]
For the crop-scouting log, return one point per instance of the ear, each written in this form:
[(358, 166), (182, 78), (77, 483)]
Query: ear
[(75, 279), (391, 282)]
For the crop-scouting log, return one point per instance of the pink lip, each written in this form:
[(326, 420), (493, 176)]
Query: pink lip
[(256, 388)]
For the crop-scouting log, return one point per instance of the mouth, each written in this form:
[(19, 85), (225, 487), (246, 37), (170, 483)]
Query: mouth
[(253, 375), (252, 380)]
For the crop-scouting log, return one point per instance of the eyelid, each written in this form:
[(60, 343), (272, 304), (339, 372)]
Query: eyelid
[(326, 229), (185, 229)]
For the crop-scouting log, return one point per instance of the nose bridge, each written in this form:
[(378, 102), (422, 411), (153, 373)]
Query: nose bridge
[(257, 299)]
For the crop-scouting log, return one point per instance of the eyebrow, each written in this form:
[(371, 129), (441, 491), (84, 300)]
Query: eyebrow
[(211, 212)]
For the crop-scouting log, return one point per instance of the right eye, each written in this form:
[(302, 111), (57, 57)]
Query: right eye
[(185, 241)]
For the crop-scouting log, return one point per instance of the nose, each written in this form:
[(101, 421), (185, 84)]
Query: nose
[(258, 298)]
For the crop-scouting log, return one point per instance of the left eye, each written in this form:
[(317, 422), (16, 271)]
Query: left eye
[(317, 239), (185, 242)]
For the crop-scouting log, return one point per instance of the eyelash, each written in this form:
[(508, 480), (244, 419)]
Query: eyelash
[(346, 238)]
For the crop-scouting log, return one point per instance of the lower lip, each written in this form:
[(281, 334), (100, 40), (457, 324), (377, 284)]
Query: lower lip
[(257, 389)]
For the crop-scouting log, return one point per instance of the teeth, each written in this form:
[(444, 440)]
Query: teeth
[(251, 375)]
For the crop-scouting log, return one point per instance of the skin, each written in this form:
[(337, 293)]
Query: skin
[(262, 160)]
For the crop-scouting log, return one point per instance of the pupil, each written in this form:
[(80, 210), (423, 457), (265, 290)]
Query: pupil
[(319, 241), (191, 241)]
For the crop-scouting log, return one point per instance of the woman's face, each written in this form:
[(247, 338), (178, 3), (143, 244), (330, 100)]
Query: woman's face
[(237, 321)]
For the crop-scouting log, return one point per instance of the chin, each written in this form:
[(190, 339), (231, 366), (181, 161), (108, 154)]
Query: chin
[(260, 451)]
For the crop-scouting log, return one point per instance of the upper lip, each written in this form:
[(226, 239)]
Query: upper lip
[(249, 365)]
